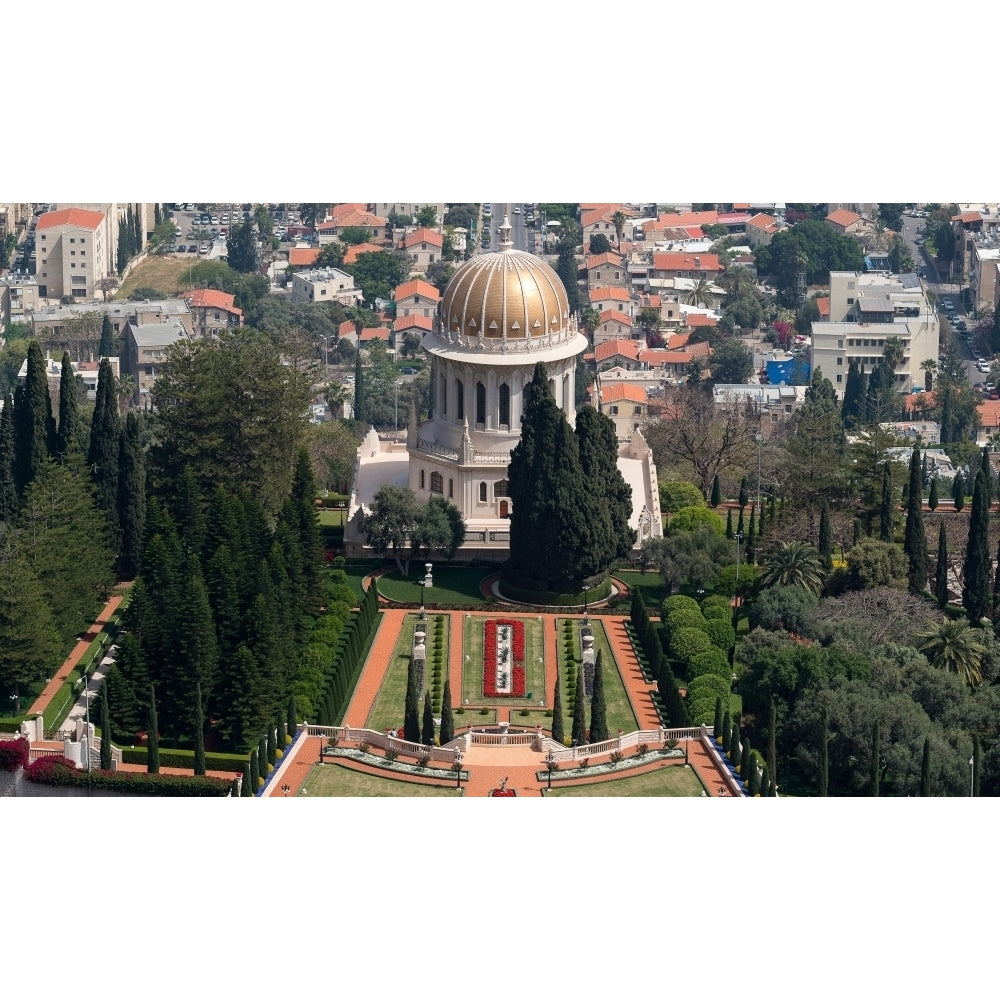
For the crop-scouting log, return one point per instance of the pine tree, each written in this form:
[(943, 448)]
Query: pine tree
[(8, 489), (152, 736), (932, 496), (885, 508), (598, 708), (107, 345), (447, 733), (976, 575), (427, 730), (958, 491), (925, 769), (825, 538), (854, 393), (941, 570), (558, 730), (34, 426), (716, 492), (105, 724), (579, 732), (411, 709), (914, 539), (199, 733)]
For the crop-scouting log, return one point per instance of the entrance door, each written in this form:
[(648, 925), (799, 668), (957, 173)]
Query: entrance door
[(504, 508)]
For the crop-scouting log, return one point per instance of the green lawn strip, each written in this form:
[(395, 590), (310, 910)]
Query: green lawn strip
[(331, 516), (619, 708), (670, 780), (534, 665), (390, 702), (453, 586), (327, 780), (650, 586)]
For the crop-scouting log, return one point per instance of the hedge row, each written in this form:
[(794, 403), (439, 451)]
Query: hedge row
[(185, 758), (57, 772)]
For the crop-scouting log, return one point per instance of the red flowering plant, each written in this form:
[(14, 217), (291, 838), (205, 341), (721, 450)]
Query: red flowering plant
[(13, 754), (514, 656)]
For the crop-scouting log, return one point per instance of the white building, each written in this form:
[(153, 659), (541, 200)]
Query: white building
[(325, 284)]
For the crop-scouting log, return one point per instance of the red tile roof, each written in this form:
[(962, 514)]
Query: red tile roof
[(989, 413), (672, 260), (70, 217), (603, 293), (683, 219), (678, 340), (967, 217), (596, 260), (700, 319), (823, 305), (762, 221), (303, 256), (614, 316), (374, 333), (598, 213), (613, 348), (611, 392), (416, 287), (843, 217), (423, 235), (212, 298), (916, 401), (350, 256), (408, 322)]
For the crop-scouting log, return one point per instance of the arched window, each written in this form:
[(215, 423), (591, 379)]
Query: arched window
[(422, 483), (451, 488), (500, 488), (482, 492), (505, 405), (437, 483), (480, 403), (444, 396), (459, 400)]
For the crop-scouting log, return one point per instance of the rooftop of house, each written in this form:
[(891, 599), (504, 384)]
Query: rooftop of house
[(82, 217), (303, 256), (681, 261), (212, 298), (615, 348), (350, 256), (423, 235), (844, 217), (612, 393), (409, 322), (416, 287)]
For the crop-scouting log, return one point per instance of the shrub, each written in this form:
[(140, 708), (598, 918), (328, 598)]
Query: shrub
[(721, 633), (642, 749), (13, 754), (717, 614), (363, 747), (585, 763), (678, 601), (709, 685), (710, 661), (57, 772), (484, 711), (391, 754), (685, 618), (702, 711), (714, 603), (686, 643), (616, 757), (422, 762)]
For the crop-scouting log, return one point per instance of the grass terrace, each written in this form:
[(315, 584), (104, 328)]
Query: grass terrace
[(327, 780), (456, 586), (671, 780), (534, 666)]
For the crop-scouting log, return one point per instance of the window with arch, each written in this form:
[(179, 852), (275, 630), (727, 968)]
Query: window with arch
[(459, 400), (482, 492), (444, 396), (500, 488), (505, 405), (437, 483), (451, 488), (480, 403), (423, 484)]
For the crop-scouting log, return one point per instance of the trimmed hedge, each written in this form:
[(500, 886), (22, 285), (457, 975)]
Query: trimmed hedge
[(686, 643), (710, 661), (709, 684), (57, 772), (721, 633), (716, 602), (702, 711), (185, 758), (718, 613), (679, 601), (685, 618)]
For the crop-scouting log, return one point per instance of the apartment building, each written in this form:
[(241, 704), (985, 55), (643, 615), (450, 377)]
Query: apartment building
[(325, 284), (72, 252)]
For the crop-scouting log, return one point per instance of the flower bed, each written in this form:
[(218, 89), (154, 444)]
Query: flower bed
[(503, 658)]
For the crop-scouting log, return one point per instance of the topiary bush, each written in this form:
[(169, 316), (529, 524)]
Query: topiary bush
[(721, 633), (714, 603), (702, 711), (708, 684), (675, 601), (710, 661), (685, 618), (717, 613), (686, 643)]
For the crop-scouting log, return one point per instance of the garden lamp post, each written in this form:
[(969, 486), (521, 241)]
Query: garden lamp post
[(423, 614), (550, 763), (86, 698), (739, 538), (972, 787), (586, 587), (457, 768), (286, 788)]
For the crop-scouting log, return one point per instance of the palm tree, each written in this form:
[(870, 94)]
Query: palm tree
[(736, 281), (590, 318), (929, 367), (894, 351), (954, 646), (700, 295), (796, 564), (618, 221)]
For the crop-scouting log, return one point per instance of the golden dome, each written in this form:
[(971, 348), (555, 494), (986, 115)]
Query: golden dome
[(509, 292)]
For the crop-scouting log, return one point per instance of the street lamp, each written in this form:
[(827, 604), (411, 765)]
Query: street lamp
[(423, 614), (586, 587), (457, 768), (286, 788), (396, 412), (739, 538), (86, 697)]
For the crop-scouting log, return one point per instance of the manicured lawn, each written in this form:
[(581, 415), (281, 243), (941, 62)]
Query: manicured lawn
[(534, 669), (619, 708), (650, 586), (672, 780), (390, 702), (453, 586), (334, 516), (326, 780)]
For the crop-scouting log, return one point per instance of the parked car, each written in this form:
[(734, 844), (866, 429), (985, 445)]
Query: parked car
[(982, 365), (193, 248), (182, 248)]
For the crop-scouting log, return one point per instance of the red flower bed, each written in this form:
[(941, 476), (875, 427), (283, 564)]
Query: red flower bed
[(490, 658)]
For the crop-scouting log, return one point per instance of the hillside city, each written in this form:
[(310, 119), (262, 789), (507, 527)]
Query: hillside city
[(720, 479)]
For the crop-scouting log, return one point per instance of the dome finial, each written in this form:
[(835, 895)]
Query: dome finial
[(505, 240)]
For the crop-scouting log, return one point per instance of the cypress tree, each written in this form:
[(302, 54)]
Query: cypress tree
[(282, 734), (977, 764), (885, 508), (717, 728), (744, 494), (153, 736), (987, 472), (102, 456), (941, 570), (579, 732), (447, 733), (925, 769), (254, 772), (876, 774), (729, 523), (932, 496), (262, 760), (772, 752), (754, 782), (8, 490), (292, 722), (824, 754), (716, 492), (763, 782), (976, 583), (199, 732), (739, 525), (67, 434), (411, 709), (131, 497), (105, 722), (107, 345), (825, 538), (427, 731), (914, 539), (854, 393), (751, 547), (246, 792), (727, 732), (958, 491), (558, 730), (34, 426), (856, 533), (745, 762), (598, 708), (735, 741)]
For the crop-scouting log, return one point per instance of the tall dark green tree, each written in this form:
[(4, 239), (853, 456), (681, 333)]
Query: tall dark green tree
[(716, 492), (131, 497), (102, 456), (885, 518), (941, 569), (447, 733), (932, 496), (8, 489), (744, 495), (717, 729), (107, 345), (876, 760), (67, 435), (427, 729), (772, 745), (579, 731), (558, 730), (825, 547), (411, 707), (977, 764), (105, 724), (976, 570), (241, 246), (914, 538), (360, 410), (598, 706), (729, 523), (855, 390), (34, 426), (925, 769), (824, 753), (199, 732), (958, 491), (152, 735)]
